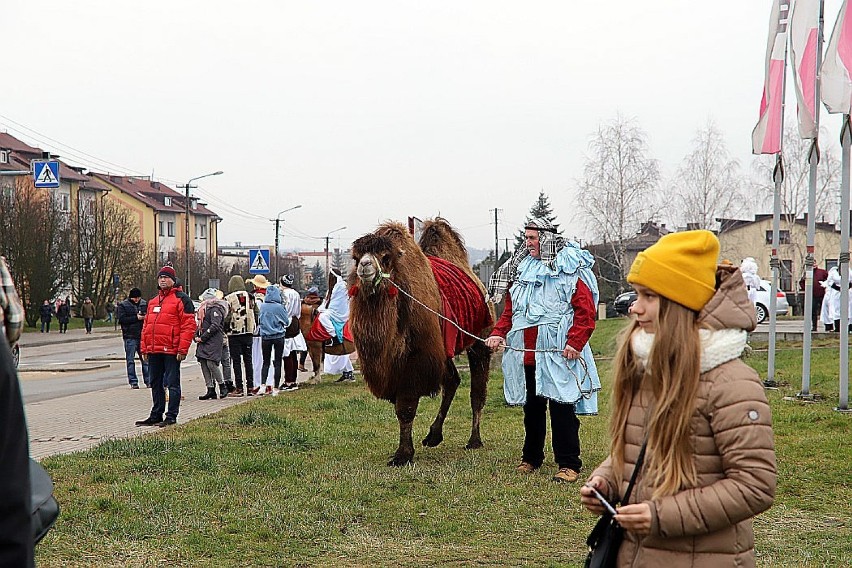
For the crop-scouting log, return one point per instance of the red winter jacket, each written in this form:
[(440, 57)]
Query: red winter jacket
[(169, 324)]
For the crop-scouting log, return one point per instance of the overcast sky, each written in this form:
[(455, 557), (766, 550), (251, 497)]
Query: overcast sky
[(366, 111)]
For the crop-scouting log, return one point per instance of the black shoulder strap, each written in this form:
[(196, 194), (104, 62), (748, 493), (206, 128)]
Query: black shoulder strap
[(639, 461)]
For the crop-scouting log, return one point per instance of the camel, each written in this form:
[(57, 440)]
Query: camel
[(403, 350)]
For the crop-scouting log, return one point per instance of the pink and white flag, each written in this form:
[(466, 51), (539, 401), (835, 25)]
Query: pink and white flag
[(766, 136), (804, 24), (835, 82)]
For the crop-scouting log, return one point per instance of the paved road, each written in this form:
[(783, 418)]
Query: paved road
[(77, 409), (55, 366)]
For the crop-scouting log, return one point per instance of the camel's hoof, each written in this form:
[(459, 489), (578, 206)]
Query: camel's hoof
[(474, 445), (433, 439), (397, 461)]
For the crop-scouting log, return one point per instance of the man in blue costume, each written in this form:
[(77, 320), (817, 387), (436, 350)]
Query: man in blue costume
[(545, 329)]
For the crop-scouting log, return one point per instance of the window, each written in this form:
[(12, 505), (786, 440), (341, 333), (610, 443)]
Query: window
[(162, 231), (786, 283), (783, 237), (194, 203), (202, 234), (4, 156), (64, 202), (168, 201), (831, 263), (171, 227)]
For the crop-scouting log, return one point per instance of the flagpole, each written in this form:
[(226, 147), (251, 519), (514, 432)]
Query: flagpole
[(845, 140), (774, 263), (813, 158)]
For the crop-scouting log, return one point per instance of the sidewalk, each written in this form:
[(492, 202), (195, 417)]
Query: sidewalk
[(81, 421)]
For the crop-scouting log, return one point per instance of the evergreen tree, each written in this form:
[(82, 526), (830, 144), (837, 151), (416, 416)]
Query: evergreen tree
[(541, 208), (319, 278), (338, 262)]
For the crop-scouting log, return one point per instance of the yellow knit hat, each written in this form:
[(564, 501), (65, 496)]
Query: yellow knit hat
[(680, 267)]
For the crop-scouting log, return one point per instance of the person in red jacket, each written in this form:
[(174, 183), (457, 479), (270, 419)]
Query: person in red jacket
[(167, 333)]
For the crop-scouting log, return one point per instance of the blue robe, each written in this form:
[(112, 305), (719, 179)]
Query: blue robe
[(541, 297)]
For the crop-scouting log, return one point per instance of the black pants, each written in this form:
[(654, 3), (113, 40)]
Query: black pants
[(266, 346), (291, 367), (240, 346), (564, 428), (816, 309)]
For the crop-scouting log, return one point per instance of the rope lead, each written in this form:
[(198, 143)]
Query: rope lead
[(585, 394)]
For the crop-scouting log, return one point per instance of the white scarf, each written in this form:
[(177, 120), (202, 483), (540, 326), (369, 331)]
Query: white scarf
[(717, 346)]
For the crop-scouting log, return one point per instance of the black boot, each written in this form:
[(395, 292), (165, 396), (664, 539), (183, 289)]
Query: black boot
[(223, 391), (211, 394)]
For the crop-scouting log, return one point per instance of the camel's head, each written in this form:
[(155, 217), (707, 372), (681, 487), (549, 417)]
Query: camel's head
[(375, 258)]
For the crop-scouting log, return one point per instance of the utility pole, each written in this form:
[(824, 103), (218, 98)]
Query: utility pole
[(496, 239), (277, 232), (327, 238), (187, 251), (277, 223)]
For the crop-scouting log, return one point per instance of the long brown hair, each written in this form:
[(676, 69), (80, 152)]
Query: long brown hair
[(672, 373)]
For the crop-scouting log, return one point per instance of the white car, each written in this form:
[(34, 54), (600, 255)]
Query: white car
[(761, 302)]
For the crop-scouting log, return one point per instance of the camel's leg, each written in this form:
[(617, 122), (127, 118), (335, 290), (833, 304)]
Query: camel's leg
[(448, 393), (315, 350), (479, 357), (406, 410)]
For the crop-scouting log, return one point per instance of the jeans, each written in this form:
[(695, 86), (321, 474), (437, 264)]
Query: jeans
[(131, 349), (266, 348), (45, 326), (165, 372), (240, 346), (88, 324), (564, 426)]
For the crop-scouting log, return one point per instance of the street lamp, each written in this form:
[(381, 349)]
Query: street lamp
[(277, 221), (327, 237), (186, 219)]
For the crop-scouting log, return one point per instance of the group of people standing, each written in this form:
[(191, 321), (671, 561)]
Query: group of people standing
[(686, 413), (245, 333), (62, 310)]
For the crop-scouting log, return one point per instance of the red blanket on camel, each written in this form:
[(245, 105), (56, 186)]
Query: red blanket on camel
[(461, 302)]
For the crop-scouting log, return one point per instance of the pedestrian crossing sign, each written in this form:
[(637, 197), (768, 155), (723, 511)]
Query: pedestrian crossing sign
[(46, 173), (258, 261)]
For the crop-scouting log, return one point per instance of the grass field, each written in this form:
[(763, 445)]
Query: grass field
[(300, 480)]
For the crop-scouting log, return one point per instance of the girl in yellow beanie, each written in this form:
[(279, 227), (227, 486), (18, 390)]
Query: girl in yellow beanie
[(683, 398)]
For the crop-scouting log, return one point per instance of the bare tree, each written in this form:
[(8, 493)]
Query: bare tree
[(794, 188), (32, 238), (617, 190), (106, 242), (708, 182)]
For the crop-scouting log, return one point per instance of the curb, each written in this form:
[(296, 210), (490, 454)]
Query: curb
[(25, 341), (62, 368)]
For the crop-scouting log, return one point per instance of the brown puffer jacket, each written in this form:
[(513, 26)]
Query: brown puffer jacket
[(709, 525)]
